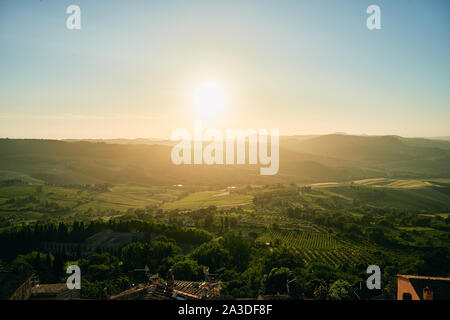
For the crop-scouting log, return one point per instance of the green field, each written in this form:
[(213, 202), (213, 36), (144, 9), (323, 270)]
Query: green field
[(399, 194), (29, 203), (317, 246), (419, 229), (300, 239), (205, 199), (442, 215)]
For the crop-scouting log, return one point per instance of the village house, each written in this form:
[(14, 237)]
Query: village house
[(422, 288)]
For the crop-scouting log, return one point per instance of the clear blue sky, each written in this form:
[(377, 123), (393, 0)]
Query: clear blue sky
[(305, 67)]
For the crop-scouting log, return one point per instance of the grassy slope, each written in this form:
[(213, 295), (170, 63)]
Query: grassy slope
[(317, 159), (209, 198), (412, 194)]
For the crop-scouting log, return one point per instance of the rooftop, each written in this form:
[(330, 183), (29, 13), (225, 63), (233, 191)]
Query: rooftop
[(183, 290), (439, 286), (10, 282), (49, 289), (422, 277)]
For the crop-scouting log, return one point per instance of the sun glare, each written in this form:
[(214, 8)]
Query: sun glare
[(209, 99)]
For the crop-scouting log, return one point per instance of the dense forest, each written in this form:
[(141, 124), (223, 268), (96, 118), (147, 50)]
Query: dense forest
[(244, 266)]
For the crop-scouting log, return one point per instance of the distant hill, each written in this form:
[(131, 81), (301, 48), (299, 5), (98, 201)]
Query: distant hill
[(302, 159), (442, 138), (122, 141), (392, 155), (426, 143)]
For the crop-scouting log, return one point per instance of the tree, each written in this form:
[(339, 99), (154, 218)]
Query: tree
[(37, 263), (321, 292), (239, 249), (3, 266), (340, 290), (319, 270), (436, 262), (187, 269), (159, 254), (209, 221), (376, 235), (253, 236), (58, 266), (134, 255), (212, 254), (276, 280), (100, 267), (283, 257)]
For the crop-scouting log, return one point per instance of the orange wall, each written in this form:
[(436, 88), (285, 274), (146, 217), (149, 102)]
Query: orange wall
[(404, 286)]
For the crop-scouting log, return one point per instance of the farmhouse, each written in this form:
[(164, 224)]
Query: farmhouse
[(15, 286), (422, 288), (54, 291), (180, 290), (104, 241)]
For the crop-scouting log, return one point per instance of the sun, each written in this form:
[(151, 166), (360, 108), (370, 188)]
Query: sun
[(209, 99)]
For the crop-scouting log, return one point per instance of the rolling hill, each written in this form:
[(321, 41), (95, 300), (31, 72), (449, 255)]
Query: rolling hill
[(302, 159)]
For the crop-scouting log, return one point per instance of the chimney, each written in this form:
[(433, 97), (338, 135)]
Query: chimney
[(170, 280), (204, 293), (427, 293)]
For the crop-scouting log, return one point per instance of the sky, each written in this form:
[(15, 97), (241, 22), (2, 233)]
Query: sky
[(303, 67)]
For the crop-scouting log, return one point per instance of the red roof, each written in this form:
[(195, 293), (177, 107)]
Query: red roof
[(421, 277)]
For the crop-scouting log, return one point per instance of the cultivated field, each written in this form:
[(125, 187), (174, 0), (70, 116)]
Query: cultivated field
[(205, 199), (318, 246)]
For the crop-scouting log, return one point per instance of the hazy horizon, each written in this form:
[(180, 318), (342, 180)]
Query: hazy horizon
[(281, 136)]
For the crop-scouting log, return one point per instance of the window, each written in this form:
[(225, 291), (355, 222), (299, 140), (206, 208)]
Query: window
[(407, 296)]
